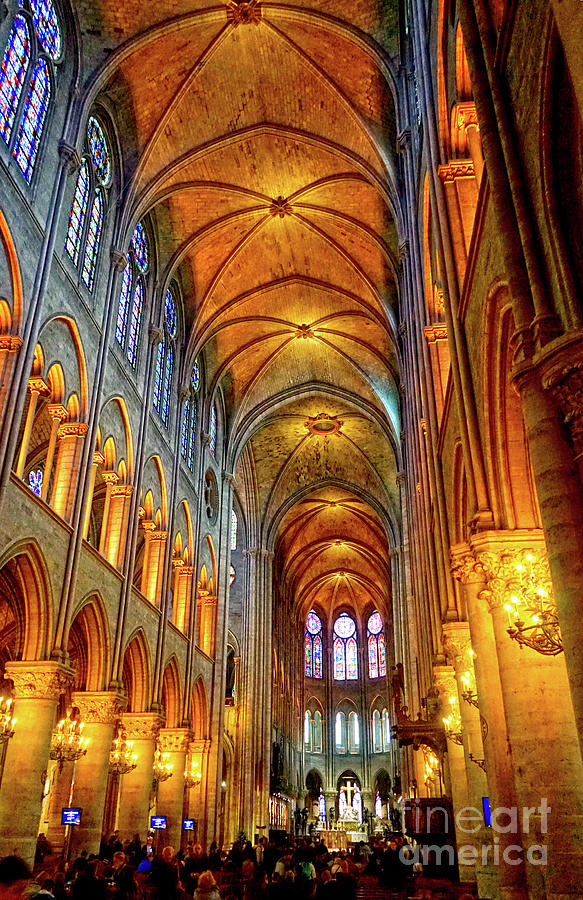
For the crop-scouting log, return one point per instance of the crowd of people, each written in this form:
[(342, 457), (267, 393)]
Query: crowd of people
[(297, 869)]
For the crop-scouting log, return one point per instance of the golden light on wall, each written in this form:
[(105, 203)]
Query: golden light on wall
[(531, 610), (453, 722), (7, 721)]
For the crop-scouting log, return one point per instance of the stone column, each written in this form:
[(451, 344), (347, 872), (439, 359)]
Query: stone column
[(117, 525), (71, 436), (548, 770), (36, 387), (98, 460), (497, 755), (447, 687), (170, 801), (110, 479), (10, 345), (100, 711), (136, 787), (57, 413), (37, 688)]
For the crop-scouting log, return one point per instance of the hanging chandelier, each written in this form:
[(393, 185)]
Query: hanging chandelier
[(67, 742), (192, 776), (469, 693), (453, 723), (7, 721), (532, 613), (122, 759), (162, 766)]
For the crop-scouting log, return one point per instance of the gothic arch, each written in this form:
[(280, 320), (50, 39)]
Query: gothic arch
[(11, 301), (200, 711), (171, 693), (25, 567), (136, 672), (89, 645)]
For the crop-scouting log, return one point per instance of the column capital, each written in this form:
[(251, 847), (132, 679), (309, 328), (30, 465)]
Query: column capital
[(142, 726), (119, 260), (175, 740), (564, 380), (99, 707), (229, 478), (503, 570), (70, 157), (98, 458), (205, 439), (159, 536), (456, 168), (122, 490), (177, 562), (10, 343), (43, 680), (465, 115), (110, 477), (57, 411), (445, 681), (434, 333), (456, 641), (464, 565), (155, 334), (39, 385), (72, 429)]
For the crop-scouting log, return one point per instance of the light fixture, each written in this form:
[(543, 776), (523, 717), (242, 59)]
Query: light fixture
[(121, 759), (431, 764), (192, 776), (162, 766), (453, 723), (469, 692), (7, 721), (67, 742), (532, 613)]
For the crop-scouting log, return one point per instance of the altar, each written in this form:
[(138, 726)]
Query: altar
[(335, 839)]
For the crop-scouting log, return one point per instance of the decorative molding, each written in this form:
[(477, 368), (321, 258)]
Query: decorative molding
[(110, 477), (99, 707), (229, 478), (245, 12), (57, 411), (72, 429), (434, 333), (119, 260), (465, 115), (565, 382), (39, 385), (463, 565), (323, 425), (70, 157), (502, 577), (39, 680), (10, 343), (456, 641), (155, 334), (122, 490), (280, 207)]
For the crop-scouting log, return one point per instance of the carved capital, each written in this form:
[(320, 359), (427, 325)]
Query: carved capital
[(205, 439), (187, 571), (175, 740), (155, 334), (122, 490), (159, 536), (70, 157), (244, 12), (434, 333), (39, 385), (110, 477), (465, 115), (10, 343), (404, 250), (119, 260), (99, 707), (72, 429), (142, 726), (456, 642), (445, 683), (565, 382), (177, 563), (505, 571), (456, 168), (39, 680), (98, 458), (57, 412), (464, 565)]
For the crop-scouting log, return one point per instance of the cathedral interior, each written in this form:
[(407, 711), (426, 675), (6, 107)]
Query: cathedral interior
[(291, 426)]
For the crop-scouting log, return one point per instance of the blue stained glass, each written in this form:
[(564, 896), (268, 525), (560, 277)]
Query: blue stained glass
[(99, 150), (35, 481), (140, 247), (170, 313), (167, 385), (132, 350), (92, 244), (213, 430), (382, 655), (317, 656), (192, 434), (184, 430), (158, 376), (195, 377), (339, 660), (46, 25), (33, 118), (351, 660), (77, 214), (124, 303), (12, 72)]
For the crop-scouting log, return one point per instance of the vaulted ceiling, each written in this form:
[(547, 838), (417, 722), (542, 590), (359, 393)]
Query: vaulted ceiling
[(263, 146)]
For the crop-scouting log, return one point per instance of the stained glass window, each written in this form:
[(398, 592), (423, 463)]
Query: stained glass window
[(158, 377), (99, 150), (136, 316), (170, 313), (195, 376), (184, 430), (386, 729), (339, 730), (192, 434), (232, 575), (92, 243), (307, 728), (77, 214), (168, 374), (140, 247), (33, 118), (46, 25), (377, 737), (124, 304), (377, 658), (233, 530), (213, 430), (317, 642), (317, 732), (313, 644), (345, 649), (35, 481), (339, 660), (12, 73)]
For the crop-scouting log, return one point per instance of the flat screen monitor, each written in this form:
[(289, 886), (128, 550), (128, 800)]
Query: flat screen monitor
[(487, 812), (71, 815), (157, 822), (188, 824)]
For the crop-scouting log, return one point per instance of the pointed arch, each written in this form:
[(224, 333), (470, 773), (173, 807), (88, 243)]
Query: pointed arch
[(171, 693), (200, 713), (136, 672), (16, 278), (25, 566), (89, 645)]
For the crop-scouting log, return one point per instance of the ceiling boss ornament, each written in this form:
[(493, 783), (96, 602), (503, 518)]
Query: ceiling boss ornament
[(280, 207), (247, 12), (323, 424)]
